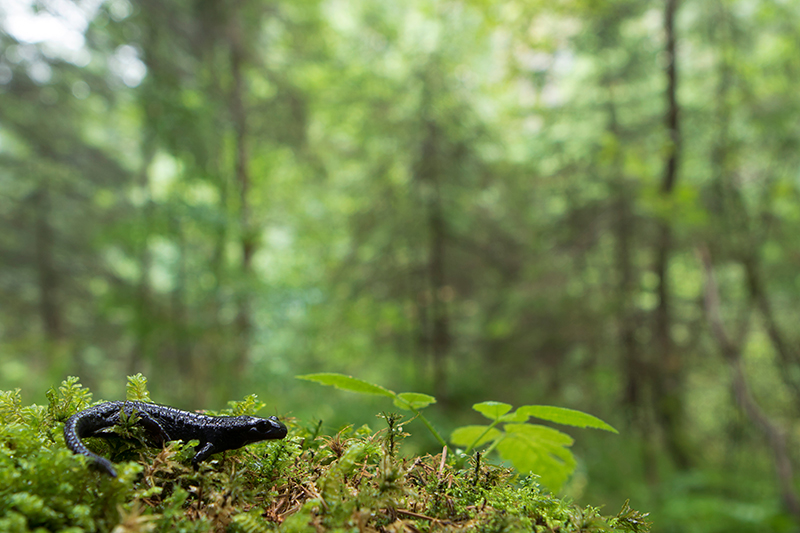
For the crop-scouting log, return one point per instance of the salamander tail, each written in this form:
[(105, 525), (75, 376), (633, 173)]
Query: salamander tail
[(77, 427)]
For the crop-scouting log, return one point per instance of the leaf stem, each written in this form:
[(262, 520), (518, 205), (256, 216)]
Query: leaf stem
[(476, 441), (491, 448), (429, 426)]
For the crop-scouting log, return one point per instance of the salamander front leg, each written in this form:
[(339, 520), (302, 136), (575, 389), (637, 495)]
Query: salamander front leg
[(204, 451)]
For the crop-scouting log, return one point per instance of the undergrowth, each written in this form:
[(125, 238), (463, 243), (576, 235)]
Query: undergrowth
[(356, 480)]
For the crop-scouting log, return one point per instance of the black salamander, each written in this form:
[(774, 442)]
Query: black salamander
[(163, 424)]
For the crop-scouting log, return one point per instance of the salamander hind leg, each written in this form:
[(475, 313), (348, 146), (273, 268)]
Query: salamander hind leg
[(155, 433)]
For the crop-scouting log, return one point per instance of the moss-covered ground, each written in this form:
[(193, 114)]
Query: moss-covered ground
[(356, 480)]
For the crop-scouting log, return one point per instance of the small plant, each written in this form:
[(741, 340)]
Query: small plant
[(531, 448), (136, 389)]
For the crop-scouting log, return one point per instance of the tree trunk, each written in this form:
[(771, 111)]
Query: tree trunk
[(143, 322), (668, 380), (247, 231), (49, 310), (182, 348), (634, 367), (440, 333), (436, 316)]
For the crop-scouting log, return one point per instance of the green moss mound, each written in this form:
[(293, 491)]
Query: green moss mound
[(353, 481)]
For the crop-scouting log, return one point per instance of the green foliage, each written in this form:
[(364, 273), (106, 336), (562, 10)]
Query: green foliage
[(351, 481), (530, 448), (249, 406), (362, 487), (560, 415), (69, 398), (136, 390), (251, 521), (348, 383), (43, 484), (630, 519), (410, 401), (12, 410)]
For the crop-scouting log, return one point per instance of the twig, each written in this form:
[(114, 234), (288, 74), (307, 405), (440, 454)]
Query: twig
[(412, 514), (441, 464)]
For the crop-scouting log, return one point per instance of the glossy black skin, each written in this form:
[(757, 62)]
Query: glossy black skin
[(163, 424)]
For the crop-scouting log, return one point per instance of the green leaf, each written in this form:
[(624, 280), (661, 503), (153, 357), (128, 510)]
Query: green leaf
[(467, 435), (539, 450), (516, 416), (348, 383), (568, 417), (492, 410), (413, 400)]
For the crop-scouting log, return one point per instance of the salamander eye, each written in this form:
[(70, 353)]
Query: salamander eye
[(263, 426)]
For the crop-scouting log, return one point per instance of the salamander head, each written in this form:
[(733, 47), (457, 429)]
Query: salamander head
[(264, 429)]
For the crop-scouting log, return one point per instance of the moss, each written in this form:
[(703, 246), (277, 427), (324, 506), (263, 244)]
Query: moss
[(353, 481)]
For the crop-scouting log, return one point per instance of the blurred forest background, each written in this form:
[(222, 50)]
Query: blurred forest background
[(589, 204)]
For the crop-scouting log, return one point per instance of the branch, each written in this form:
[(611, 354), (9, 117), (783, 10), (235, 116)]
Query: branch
[(732, 351)]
